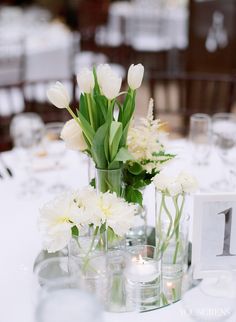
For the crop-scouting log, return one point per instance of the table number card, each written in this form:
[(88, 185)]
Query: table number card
[(214, 234)]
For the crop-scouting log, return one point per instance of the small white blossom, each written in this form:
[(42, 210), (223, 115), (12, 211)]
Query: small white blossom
[(148, 151), (58, 95), (72, 134), (162, 182), (85, 80), (188, 182), (183, 183), (135, 76)]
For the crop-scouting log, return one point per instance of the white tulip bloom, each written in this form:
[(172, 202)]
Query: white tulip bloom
[(85, 80), (72, 134), (58, 95), (102, 71), (188, 182), (135, 76), (110, 86)]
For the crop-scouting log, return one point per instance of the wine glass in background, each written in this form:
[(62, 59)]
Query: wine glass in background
[(27, 130), (200, 137), (224, 137), (55, 150)]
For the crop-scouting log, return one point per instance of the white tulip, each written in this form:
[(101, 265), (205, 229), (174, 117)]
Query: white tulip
[(58, 95), (188, 182), (102, 71), (110, 86), (135, 76), (73, 136), (85, 80)]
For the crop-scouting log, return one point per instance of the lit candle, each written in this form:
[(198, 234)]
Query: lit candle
[(142, 270)]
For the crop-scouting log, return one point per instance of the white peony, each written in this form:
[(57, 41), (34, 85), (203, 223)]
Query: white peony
[(85, 80), (116, 212), (73, 136), (58, 95), (135, 76), (57, 218), (189, 183)]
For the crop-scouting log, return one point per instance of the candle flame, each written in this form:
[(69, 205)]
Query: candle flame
[(169, 284), (140, 259)]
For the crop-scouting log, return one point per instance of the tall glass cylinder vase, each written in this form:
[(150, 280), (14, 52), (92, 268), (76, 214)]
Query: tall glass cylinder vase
[(112, 181), (109, 180), (172, 242)]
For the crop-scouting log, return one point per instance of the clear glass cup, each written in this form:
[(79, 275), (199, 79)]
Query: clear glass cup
[(55, 150), (60, 297), (200, 137), (27, 131), (224, 138), (143, 278)]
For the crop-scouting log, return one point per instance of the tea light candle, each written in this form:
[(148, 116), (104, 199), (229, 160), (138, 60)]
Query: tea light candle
[(142, 270)]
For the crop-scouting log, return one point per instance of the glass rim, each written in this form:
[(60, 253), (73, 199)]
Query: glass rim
[(230, 116), (200, 116), (47, 281), (110, 170), (157, 254)]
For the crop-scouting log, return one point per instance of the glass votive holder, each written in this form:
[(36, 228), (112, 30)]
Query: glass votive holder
[(143, 278), (93, 274), (172, 284)]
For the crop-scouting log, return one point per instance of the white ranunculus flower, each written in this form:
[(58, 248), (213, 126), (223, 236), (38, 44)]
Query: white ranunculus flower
[(85, 80), (102, 71), (135, 76), (175, 188), (162, 182), (110, 86), (72, 134), (57, 217), (58, 95), (188, 182)]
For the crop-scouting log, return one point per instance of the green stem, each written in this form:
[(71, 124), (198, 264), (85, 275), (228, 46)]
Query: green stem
[(90, 111), (169, 217)]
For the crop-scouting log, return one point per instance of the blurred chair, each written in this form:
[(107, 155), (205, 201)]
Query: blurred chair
[(178, 96), (91, 14), (212, 36), (12, 100)]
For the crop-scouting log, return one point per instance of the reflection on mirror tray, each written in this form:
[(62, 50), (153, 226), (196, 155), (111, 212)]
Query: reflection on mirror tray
[(170, 288)]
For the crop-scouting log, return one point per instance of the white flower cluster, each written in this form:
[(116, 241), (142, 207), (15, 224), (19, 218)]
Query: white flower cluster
[(144, 142), (82, 209), (110, 85), (173, 186)]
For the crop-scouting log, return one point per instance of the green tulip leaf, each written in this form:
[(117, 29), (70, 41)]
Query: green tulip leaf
[(114, 138), (123, 155), (97, 149)]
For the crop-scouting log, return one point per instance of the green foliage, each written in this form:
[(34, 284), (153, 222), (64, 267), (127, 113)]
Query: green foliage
[(75, 231)]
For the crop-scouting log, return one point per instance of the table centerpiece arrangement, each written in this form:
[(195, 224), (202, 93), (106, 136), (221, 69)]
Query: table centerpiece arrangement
[(128, 157)]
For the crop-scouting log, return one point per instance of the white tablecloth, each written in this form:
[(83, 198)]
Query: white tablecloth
[(20, 240)]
